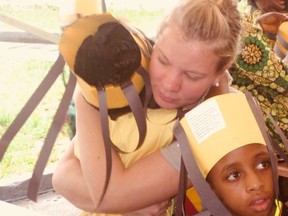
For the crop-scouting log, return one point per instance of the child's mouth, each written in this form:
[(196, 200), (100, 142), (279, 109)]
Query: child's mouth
[(260, 204)]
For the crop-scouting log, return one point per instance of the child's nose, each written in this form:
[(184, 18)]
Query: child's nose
[(254, 182)]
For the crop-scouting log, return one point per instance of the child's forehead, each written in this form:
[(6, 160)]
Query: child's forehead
[(246, 154)]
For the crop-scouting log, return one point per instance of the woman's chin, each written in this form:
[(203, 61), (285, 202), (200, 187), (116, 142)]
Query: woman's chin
[(162, 103)]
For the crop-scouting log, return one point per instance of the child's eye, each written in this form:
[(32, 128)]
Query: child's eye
[(263, 165), (233, 176)]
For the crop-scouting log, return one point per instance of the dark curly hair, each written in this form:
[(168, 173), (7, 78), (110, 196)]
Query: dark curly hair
[(108, 57)]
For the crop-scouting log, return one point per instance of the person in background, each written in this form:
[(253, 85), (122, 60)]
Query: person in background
[(270, 15), (273, 19), (257, 68), (195, 45)]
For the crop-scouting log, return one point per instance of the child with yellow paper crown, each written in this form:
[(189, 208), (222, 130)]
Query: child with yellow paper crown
[(233, 155)]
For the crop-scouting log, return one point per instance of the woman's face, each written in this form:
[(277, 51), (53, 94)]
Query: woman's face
[(243, 180), (181, 72)]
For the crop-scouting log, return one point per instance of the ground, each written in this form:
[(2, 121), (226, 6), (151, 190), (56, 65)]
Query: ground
[(49, 204)]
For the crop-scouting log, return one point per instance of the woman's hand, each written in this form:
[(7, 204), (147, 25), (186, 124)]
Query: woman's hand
[(269, 6), (158, 209), (271, 21)]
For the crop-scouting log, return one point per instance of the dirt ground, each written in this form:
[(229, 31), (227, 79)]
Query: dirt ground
[(49, 204)]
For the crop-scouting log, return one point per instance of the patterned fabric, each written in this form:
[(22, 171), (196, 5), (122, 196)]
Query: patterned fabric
[(259, 70), (192, 203)]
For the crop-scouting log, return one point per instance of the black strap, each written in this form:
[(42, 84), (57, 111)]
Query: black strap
[(147, 83), (31, 104), (138, 111), (179, 208), (275, 145), (55, 127), (279, 131), (135, 104), (255, 107), (208, 197), (106, 136), (139, 115), (50, 139)]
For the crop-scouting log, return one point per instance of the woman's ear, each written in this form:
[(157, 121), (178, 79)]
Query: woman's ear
[(219, 86), (222, 74), (217, 81), (221, 78)]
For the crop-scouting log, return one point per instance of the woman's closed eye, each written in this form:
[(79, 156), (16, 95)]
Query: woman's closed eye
[(163, 61), (192, 77)]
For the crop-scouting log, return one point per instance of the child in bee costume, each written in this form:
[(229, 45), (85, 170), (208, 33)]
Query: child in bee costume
[(229, 157), (110, 60)]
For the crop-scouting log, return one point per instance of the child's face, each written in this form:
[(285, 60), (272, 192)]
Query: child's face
[(243, 180)]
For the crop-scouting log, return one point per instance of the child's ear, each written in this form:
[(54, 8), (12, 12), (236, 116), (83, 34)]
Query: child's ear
[(212, 187), (209, 182)]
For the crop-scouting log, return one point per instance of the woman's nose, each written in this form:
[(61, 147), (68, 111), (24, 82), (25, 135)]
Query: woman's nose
[(172, 81)]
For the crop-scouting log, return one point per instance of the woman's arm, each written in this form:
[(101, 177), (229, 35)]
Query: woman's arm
[(69, 182), (148, 181), (271, 21)]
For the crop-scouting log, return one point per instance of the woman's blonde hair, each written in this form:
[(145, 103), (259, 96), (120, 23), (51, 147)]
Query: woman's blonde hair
[(214, 21)]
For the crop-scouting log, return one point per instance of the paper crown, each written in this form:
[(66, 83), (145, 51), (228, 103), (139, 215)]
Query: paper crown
[(219, 125), (281, 44), (72, 40)]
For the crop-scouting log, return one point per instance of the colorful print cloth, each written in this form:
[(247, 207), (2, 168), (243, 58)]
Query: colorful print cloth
[(259, 70)]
